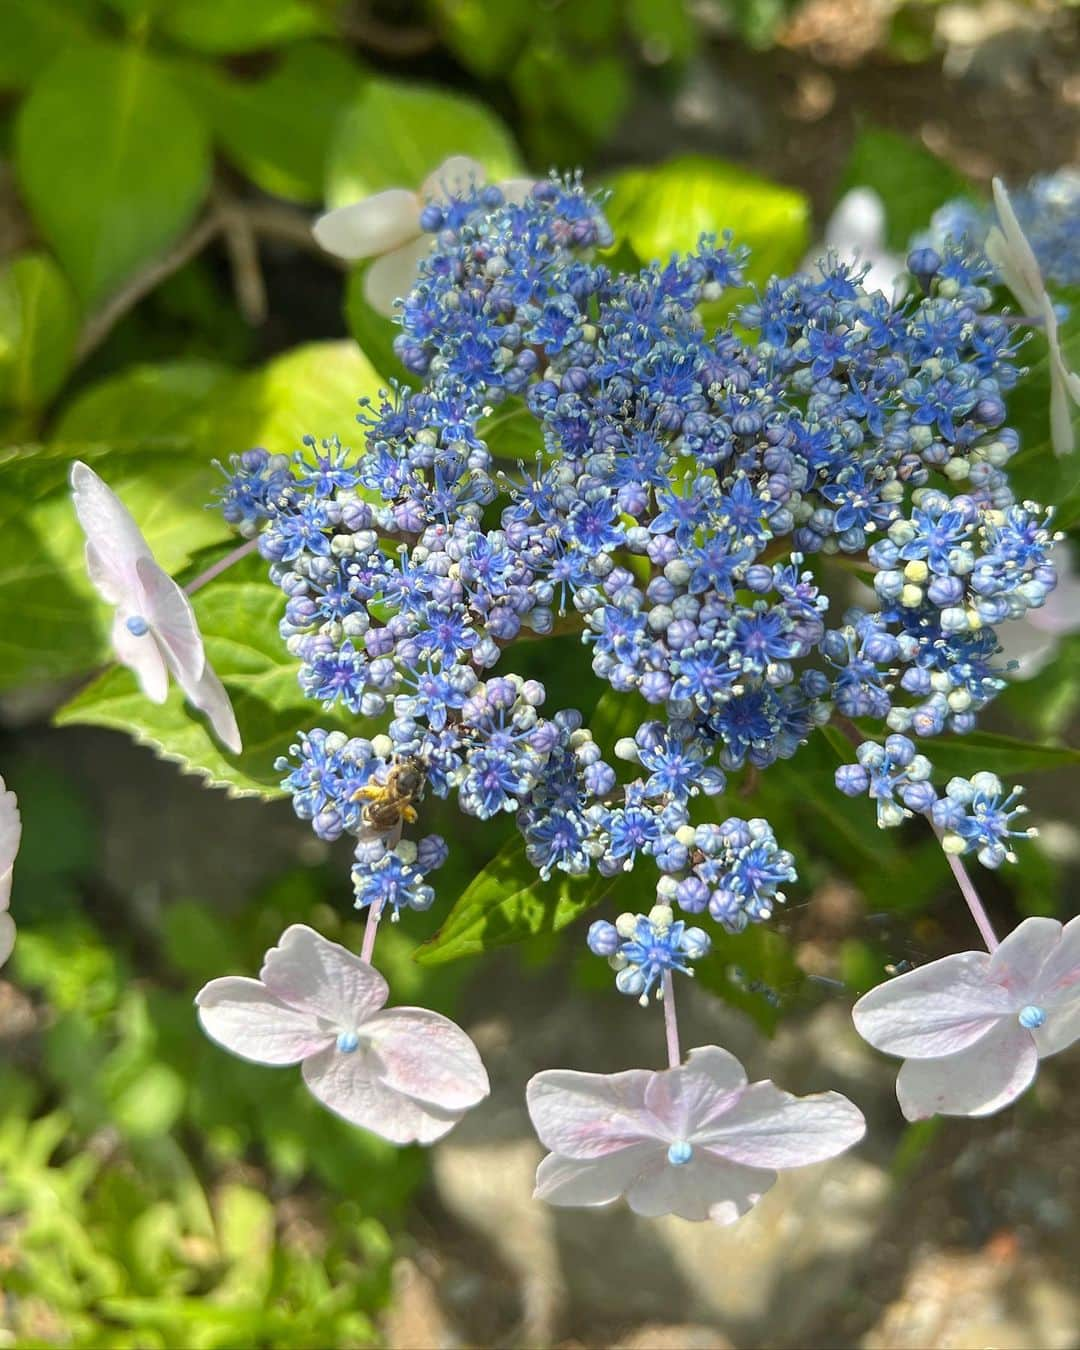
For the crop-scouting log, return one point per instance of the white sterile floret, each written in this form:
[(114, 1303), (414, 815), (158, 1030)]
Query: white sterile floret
[(406, 1074), (972, 1027), (696, 1140), (154, 630), (386, 226), (10, 838), (1008, 249)]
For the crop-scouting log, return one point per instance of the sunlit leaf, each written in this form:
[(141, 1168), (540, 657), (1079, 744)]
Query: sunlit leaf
[(39, 321)]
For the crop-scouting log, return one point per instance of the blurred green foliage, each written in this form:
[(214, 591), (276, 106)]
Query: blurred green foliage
[(153, 1190)]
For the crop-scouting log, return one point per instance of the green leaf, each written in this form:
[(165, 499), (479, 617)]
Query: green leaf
[(664, 29), (31, 34), (910, 180), (666, 209), (313, 389), (169, 401), (39, 321), (483, 36), (992, 753), (394, 134), (508, 903), (278, 130), (112, 160), (242, 25), (51, 621), (238, 616)]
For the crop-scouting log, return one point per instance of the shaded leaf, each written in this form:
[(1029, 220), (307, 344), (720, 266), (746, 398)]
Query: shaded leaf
[(113, 162), (241, 25), (393, 135), (278, 130), (39, 321)]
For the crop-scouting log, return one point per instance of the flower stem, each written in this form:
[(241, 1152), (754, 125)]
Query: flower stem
[(974, 902), (371, 929), (671, 1021), (222, 564)]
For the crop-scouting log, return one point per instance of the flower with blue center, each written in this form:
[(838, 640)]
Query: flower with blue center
[(642, 948)]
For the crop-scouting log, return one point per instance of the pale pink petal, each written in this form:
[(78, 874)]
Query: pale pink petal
[(426, 1056), (935, 1010), (455, 177), (7, 936), (208, 694), (348, 1083), (596, 1181), (10, 838), (1019, 960), (770, 1128), (588, 1115), (1060, 613), (706, 1187), (367, 228), (142, 656), (168, 612), (1061, 1028), (244, 1017), (392, 277), (974, 1082), (692, 1096), (114, 541), (320, 977), (1059, 978)]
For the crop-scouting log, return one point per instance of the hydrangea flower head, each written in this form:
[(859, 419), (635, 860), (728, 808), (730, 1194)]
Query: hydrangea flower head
[(696, 1140), (406, 1074), (10, 837), (154, 629), (973, 1026)]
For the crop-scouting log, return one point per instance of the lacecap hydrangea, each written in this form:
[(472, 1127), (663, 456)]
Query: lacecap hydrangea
[(683, 487)]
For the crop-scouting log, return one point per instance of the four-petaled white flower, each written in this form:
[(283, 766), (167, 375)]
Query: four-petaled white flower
[(10, 835), (972, 1027), (697, 1140), (386, 227), (154, 630), (406, 1074), (1009, 251), (855, 232)]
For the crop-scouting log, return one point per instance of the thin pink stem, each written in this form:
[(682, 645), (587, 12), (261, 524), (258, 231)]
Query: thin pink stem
[(222, 564), (371, 929), (971, 895), (671, 1021)]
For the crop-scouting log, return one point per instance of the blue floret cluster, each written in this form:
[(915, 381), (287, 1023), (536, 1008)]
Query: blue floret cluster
[(583, 455)]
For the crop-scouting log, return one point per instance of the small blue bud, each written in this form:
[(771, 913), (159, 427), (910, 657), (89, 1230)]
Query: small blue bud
[(1032, 1017), (679, 1153), (137, 626), (347, 1042)]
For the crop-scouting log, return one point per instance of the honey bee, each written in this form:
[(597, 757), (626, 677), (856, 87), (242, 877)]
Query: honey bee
[(391, 803)]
